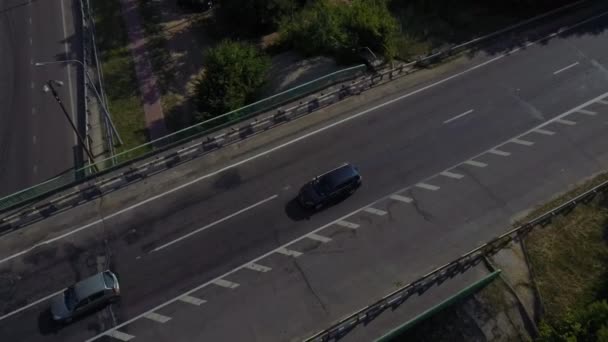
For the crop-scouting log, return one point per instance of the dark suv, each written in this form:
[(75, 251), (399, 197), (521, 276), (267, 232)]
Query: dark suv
[(335, 184)]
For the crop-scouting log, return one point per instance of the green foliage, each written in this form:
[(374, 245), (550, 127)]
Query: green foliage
[(587, 325), (256, 16), (335, 28), (234, 72)]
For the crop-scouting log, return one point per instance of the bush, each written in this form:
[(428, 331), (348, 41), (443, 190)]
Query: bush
[(334, 28), (590, 324), (256, 16), (234, 72)]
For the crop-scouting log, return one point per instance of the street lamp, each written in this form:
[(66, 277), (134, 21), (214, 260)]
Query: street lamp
[(48, 86), (101, 103)]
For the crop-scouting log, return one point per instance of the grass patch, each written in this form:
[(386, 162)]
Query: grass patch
[(569, 258), (121, 85)]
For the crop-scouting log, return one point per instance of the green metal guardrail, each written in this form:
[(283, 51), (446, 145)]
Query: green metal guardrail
[(162, 144), (467, 291)]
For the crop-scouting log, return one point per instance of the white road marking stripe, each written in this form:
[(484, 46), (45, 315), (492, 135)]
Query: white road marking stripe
[(318, 237), (586, 112), (427, 186), (214, 223), (192, 300), (157, 317), (566, 68), (458, 116), (566, 122), (31, 304), (375, 211), (522, 142), (225, 283), (289, 252), (602, 102), (475, 163), (34, 139), (401, 198), (298, 139), (452, 175), (119, 335), (543, 131), (347, 224), (500, 153), (257, 267)]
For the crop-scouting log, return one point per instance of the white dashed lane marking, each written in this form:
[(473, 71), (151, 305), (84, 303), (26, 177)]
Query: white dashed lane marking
[(566, 122), (565, 68), (602, 102), (258, 267), (458, 116), (522, 142), (427, 186), (452, 175), (119, 335), (317, 237), (192, 300), (225, 283), (157, 317), (401, 198), (586, 112), (543, 131), (499, 153), (347, 224), (375, 211), (475, 163), (289, 252)]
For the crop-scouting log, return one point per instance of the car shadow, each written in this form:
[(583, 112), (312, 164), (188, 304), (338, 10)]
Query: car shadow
[(296, 212), (46, 324)]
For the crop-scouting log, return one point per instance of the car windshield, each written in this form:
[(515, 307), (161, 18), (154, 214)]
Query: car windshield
[(70, 298)]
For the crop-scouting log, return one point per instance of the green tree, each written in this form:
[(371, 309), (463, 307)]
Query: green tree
[(234, 73), (335, 28), (256, 16)]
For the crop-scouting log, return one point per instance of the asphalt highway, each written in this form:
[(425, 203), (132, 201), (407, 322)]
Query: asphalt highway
[(446, 165), (36, 141)]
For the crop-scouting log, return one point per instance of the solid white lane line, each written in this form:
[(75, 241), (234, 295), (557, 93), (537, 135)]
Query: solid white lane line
[(602, 102), (452, 175), (500, 152), (157, 317), (401, 198), (257, 267), (25, 307), (586, 112), (317, 237), (522, 142), (192, 300), (543, 131), (475, 163), (225, 283), (214, 223), (288, 252), (119, 335), (427, 186), (375, 211), (566, 122), (566, 68), (298, 139), (347, 224), (458, 116), (283, 250)]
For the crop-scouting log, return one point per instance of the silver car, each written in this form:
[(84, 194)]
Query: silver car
[(87, 295)]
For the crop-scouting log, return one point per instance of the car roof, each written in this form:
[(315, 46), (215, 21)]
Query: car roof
[(90, 285), (339, 175)]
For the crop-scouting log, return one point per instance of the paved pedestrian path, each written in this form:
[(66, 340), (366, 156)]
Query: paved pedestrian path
[(148, 84)]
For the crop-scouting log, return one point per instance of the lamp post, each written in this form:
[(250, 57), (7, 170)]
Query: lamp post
[(105, 110), (48, 86)]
